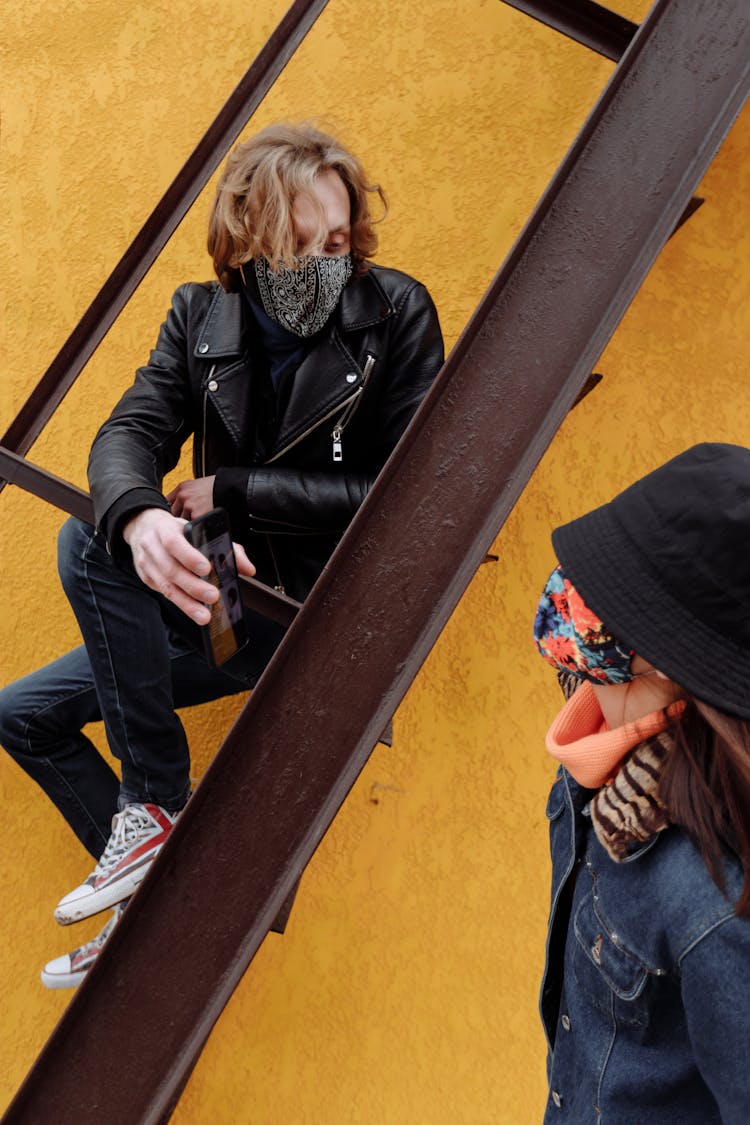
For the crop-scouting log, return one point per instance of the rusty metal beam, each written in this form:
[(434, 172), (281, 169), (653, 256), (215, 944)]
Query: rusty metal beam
[(39, 482), (591, 383), (134, 1030), (160, 226), (588, 23), (68, 497), (599, 28), (271, 603), (694, 205)]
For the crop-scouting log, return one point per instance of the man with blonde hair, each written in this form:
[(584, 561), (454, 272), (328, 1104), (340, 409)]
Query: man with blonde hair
[(295, 375)]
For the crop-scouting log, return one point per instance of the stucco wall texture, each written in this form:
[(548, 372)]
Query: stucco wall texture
[(405, 987)]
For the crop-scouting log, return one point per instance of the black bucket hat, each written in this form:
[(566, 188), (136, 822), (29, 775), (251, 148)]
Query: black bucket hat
[(666, 566)]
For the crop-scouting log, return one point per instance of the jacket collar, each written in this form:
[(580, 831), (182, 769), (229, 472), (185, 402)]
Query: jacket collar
[(223, 329), (364, 302)]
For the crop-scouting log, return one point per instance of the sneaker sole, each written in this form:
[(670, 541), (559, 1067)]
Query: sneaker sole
[(61, 980), (88, 906)]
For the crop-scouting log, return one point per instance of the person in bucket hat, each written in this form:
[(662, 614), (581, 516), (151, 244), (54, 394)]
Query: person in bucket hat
[(647, 621)]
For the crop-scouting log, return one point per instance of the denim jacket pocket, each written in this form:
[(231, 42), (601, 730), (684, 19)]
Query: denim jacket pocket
[(620, 969)]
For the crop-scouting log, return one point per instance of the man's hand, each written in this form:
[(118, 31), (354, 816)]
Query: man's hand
[(167, 563), (192, 498)]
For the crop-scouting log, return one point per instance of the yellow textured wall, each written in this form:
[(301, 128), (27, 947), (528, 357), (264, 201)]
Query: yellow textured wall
[(405, 987)]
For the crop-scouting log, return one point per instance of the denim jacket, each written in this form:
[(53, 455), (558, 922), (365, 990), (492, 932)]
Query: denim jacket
[(645, 994)]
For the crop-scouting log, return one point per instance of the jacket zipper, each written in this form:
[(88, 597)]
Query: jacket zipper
[(348, 405), (279, 587), (205, 404), (310, 429), (343, 422)]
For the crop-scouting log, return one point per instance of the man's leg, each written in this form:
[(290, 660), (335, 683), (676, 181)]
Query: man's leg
[(41, 721), (128, 648), (133, 665), (42, 717), (193, 682)]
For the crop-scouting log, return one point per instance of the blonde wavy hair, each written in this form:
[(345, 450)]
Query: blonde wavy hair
[(252, 212)]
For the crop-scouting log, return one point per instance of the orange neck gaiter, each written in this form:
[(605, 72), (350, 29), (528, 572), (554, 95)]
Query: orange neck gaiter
[(589, 750)]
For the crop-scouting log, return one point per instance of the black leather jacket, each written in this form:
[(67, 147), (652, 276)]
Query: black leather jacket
[(292, 465)]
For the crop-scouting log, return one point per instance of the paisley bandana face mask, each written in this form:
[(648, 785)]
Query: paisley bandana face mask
[(573, 639), (302, 299)]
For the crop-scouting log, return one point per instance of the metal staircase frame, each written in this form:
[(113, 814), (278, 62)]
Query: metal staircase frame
[(308, 728)]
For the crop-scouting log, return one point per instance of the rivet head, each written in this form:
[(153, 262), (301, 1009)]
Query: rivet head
[(557, 1098), (203, 348), (351, 378), (565, 1021), (213, 385)]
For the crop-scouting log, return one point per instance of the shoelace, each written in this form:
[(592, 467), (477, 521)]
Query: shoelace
[(126, 827)]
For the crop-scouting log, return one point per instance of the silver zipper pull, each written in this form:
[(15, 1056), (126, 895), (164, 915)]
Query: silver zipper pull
[(337, 450)]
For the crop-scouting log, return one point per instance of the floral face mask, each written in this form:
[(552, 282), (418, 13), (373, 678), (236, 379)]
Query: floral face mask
[(573, 639)]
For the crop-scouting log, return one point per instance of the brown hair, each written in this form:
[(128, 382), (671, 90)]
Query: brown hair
[(252, 212), (706, 789)]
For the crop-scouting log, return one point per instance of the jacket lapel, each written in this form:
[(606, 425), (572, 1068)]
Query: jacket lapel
[(330, 375), (327, 378), (223, 330)]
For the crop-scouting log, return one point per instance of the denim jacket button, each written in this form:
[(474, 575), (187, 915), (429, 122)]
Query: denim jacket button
[(557, 1098), (565, 1021)]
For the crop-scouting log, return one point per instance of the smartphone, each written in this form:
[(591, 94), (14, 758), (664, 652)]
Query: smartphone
[(226, 633)]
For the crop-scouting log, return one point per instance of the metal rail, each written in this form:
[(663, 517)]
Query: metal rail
[(129, 1038), (160, 226), (39, 482), (591, 24), (68, 497)]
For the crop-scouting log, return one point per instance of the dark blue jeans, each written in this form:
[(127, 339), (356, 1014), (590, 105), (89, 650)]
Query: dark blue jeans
[(141, 660)]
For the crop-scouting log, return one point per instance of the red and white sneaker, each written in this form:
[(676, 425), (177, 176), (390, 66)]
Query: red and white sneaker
[(69, 970), (138, 835)]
